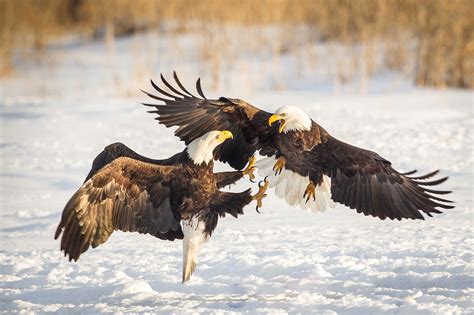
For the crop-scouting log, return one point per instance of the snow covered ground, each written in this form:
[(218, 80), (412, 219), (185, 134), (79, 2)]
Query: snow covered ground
[(283, 260)]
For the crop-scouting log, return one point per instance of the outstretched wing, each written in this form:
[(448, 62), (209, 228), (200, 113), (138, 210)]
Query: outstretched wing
[(118, 149), (363, 180), (127, 195), (195, 116), (357, 178)]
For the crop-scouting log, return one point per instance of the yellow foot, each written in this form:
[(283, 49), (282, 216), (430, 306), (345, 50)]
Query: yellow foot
[(279, 165), (250, 168), (262, 188), (310, 192)]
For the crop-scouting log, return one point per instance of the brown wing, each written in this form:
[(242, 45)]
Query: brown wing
[(116, 150), (194, 116), (126, 195), (363, 180)]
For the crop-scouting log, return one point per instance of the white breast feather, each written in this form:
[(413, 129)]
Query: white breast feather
[(291, 187)]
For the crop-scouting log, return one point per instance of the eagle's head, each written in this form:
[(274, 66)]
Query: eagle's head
[(201, 149), (291, 118)]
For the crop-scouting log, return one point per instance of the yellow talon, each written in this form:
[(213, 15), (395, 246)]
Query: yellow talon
[(261, 193), (250, 168), (310, 191), (279, 165)]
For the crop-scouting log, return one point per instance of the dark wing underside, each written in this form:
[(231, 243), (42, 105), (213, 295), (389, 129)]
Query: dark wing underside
[(194, 116), (126, 195), (362, 180)]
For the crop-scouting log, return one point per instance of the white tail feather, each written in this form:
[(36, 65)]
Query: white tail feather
[(194, 238), (291, 186), (279, 183)]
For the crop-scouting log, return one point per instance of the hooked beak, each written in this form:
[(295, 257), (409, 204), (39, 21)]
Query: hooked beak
[(276, 117), (225, 134)]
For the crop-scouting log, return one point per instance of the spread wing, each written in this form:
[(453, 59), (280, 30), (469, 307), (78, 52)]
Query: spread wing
[(194, 116), (127, 195), (116, 150), (363, 180)]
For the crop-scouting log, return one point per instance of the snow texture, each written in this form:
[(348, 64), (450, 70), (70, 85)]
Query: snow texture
[(284, 260)]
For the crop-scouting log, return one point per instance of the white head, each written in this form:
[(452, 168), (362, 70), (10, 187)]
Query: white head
[(201, 149), (291, 118)]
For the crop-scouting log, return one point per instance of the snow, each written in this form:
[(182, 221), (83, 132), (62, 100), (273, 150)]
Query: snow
[(284, 260)]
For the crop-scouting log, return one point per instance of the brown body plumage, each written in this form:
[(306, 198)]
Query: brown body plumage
[(128, 192)]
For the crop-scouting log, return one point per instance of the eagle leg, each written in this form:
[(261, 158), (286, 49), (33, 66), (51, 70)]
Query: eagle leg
[(279, 165), (262, 188), (250, 168), (310, 192)]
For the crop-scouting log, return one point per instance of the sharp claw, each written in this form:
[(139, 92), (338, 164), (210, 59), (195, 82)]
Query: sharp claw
[(309, 192), (262, 185), (250, 169), (279, 165)]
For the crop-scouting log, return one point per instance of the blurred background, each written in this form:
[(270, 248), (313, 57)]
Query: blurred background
[(392, 76), (112, 47)]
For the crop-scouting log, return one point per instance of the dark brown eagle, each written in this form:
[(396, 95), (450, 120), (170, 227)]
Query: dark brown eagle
[(128, 192), (305, 164)]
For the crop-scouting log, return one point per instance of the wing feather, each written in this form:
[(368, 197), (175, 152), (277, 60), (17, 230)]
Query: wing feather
[(127, 195), (199, 88), (175, 76), (194, 116), (426, 176), (362, 180), (156, 87), (169, 86)]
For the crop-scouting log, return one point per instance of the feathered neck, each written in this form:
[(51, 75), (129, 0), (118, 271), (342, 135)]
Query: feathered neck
[(297, 126), (295, 119), (200, 151)]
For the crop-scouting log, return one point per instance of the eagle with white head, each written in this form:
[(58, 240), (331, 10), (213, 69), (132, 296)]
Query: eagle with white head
[(174, 198), (306, 165)]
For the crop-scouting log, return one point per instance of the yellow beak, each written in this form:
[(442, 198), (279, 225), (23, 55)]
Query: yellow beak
[(276, 117), (226, 134)]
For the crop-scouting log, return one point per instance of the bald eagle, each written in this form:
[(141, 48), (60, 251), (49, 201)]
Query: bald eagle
[(128, 192), (307, 166)]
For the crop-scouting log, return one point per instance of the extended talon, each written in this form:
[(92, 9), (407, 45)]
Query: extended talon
[(250, 168), (310, 192), (263, 181), (279, 165), (262, 188)]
